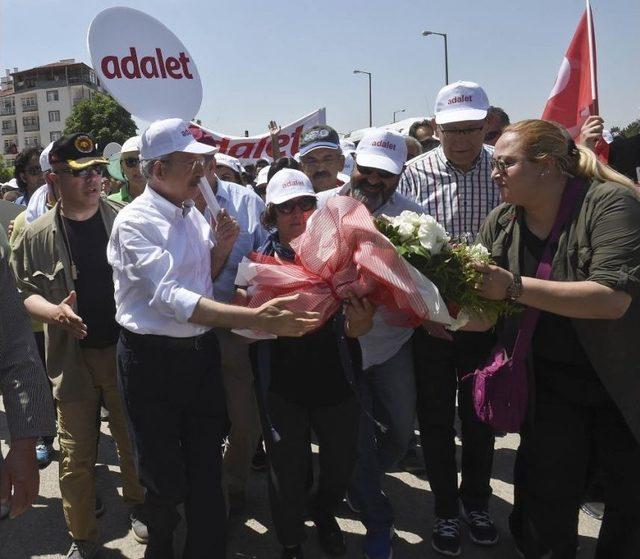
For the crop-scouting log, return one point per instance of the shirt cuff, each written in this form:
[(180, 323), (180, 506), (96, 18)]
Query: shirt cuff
[(625, 279), (185, 302)]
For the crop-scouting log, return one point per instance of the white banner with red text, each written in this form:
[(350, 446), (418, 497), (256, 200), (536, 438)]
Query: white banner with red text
[(250, 149)]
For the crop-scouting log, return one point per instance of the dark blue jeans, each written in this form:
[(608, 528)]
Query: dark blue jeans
[(176, 406), (387, 393)]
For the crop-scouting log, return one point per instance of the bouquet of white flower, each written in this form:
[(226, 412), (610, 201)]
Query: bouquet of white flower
[(425, 244)]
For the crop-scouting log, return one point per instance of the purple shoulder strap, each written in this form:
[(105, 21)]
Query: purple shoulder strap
[(530, 315)]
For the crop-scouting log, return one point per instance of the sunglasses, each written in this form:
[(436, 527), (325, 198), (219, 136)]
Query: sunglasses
[(492, 135), (501, 165), (304, 203), (33, 171), (131, 162), (366, 171), (86, 173)]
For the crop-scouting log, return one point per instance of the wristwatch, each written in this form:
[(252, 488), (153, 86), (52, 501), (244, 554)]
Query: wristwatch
[(514, 291)]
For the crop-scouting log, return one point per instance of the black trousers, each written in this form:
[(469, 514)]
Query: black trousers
[(176, 406), (336, 429), (440, 365), (569, 426)]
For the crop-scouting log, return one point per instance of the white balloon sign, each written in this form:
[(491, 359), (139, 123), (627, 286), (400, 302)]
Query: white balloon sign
[(144, 65)]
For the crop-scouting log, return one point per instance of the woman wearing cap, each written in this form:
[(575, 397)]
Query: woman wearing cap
[(303, 385), (584, 381)]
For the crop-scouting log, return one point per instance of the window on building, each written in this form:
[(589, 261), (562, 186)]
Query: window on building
[(29, 102), (53, 136), (28, 121), (52, 95), (32, 142), (7, 125), (54, 116)]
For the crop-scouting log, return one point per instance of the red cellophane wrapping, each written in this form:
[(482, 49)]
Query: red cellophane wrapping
[(340, 253)]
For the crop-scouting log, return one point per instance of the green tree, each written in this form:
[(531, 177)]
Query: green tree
[(631, 129), (6, 171), (103, 118)]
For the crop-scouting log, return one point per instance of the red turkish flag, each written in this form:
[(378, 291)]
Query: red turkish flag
[(573, 96)]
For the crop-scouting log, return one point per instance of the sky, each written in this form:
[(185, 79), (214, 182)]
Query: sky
[(262, 60)]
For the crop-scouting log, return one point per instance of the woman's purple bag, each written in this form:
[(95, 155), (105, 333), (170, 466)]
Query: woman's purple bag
[(500, 392)]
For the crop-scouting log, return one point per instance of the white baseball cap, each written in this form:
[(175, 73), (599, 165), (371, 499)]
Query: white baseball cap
[(382, 149), (263, 176), (287, 184), (44, 159), (169, 135), (225, 160), (348, 146), (461, 101), (132, 144)]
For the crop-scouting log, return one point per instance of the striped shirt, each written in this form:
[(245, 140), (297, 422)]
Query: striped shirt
[(458, 201)]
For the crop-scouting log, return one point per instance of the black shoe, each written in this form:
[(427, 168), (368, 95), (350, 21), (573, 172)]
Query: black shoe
[(330, 535), (445, 538), (99, 511), (481, 528), (259, 461), (292, 552)]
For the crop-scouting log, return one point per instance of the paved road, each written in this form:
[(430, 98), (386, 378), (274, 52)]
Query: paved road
[(41, 532)]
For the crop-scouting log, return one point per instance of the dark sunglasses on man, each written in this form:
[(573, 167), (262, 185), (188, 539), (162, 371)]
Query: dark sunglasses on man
[(366, 171), (87, 172), (131, 162), (304, 203)]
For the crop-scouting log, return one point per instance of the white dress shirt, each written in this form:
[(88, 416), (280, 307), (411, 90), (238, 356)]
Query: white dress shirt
[(384, 340), (161, 259)]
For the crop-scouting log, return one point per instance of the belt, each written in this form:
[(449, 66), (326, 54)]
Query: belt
[(196, 343)]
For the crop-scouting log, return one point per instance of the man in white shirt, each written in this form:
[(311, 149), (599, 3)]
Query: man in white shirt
[(168, 356), (387, 386)]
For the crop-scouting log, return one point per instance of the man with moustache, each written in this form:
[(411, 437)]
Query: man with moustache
[(387, 385), (163, 254), (453, 183), (321, 157), (61, 268), (130, 165)]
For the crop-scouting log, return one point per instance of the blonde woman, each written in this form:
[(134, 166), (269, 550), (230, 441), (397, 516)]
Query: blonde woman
[(585, 356)]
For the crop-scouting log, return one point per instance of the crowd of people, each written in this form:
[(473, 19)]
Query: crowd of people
[(130, 286)]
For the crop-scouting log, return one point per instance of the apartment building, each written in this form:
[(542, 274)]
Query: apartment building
[(35, 103)]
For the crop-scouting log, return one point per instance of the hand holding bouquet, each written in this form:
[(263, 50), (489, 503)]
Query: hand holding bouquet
[(425, 244)]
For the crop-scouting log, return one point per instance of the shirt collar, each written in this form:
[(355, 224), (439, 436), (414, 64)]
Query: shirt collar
[(222, 189), (443, 159), (166, 208)]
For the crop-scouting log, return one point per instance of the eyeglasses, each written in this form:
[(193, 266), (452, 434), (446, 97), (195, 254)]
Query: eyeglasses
[(131, 162), (501, 165), (304, 203), (33, 171), (461, 131), (368, 170), (86, 173), (493, 135), (311, 162), (190, 164)]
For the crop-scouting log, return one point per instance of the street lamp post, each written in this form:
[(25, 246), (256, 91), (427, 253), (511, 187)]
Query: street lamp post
[(369, 75), (396, 112), (446, 54)]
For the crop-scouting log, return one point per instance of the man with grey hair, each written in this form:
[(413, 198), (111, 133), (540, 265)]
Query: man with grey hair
[(163, 254)]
